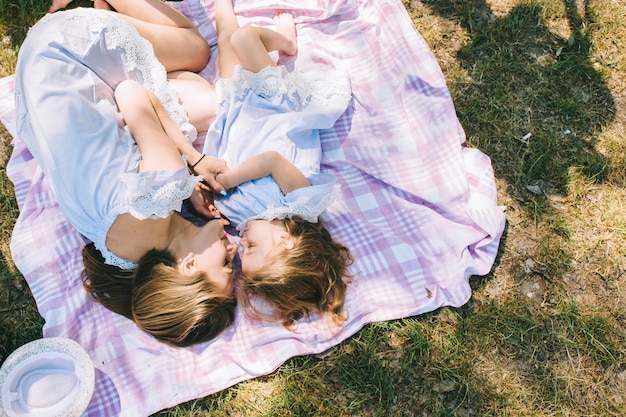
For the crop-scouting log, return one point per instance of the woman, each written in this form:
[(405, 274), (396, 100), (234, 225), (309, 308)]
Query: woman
[(124, 196)]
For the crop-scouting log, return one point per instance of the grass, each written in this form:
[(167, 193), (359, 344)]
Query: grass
[(544, 333)]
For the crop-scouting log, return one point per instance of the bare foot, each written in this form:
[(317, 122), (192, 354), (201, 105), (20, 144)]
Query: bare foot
[(287, 27), (101, 4), (58, 5)]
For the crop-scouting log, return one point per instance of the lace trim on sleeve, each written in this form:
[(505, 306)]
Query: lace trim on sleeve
[(274, 83), (156, 194), (309, 213), (111, 259)]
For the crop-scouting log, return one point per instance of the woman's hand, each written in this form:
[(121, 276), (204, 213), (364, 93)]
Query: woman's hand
[(202, 201)]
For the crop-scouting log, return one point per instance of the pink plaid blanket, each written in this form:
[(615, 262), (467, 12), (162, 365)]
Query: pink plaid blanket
[(416, 207)]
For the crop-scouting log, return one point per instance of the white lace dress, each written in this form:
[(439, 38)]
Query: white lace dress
[(67, 70), (281, 111)]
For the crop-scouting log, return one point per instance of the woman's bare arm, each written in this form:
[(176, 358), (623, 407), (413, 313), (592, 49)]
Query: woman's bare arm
[(159, 139), (158, 149)]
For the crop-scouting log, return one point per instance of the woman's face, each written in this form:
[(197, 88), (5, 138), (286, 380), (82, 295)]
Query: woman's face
[(213, 253)]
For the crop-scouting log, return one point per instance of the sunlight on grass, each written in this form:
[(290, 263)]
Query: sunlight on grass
[(8, 55)]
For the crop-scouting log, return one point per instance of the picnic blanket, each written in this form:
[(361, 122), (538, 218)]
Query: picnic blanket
[(417, 208)]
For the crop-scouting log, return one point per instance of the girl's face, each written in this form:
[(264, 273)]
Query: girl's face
[(213, 253), (260, 239)]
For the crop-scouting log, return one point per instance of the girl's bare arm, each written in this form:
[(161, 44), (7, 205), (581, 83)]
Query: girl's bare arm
[(286, 175)]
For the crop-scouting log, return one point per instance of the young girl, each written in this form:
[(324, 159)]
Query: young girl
[(267, 129)]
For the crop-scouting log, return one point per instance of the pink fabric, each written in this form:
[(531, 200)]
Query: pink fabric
[(416, 207)]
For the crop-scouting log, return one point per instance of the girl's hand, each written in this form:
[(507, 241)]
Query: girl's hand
[(287, 175), (210, 168), (223, 178)]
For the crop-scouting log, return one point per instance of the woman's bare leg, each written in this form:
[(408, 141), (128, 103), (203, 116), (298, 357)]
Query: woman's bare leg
[(197, 96), (177, 43)]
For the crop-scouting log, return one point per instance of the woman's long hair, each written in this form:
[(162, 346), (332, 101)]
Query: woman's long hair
[(310, 277), (109, 285), (177, 309)]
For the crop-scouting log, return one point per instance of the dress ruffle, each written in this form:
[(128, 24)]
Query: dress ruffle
[(292, 89)]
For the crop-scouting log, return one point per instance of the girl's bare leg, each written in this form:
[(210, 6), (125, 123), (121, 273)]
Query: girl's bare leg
[(249, 45), (56, 5), (101, 4), (253, 43), (226, 24), (286, 27)]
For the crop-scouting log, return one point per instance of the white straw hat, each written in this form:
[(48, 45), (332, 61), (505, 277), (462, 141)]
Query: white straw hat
[(49, 377)]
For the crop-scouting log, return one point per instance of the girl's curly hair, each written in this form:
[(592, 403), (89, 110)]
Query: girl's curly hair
[(309, 278)]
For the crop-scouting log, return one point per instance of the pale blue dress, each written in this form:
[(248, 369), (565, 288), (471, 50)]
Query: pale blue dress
[(67, 70), (281, 111)]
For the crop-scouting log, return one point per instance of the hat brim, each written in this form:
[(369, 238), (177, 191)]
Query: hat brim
[(60, 345)]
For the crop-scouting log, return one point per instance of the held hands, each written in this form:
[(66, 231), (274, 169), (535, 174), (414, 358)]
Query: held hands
[(256, 167), (210, 167), (287, 175), (224, 179), (202, 196)]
